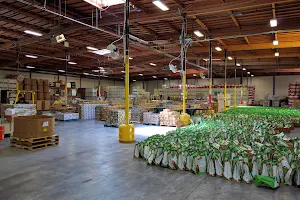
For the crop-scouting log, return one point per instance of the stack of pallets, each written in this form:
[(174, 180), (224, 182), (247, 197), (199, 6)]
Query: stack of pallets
[(32, 144)]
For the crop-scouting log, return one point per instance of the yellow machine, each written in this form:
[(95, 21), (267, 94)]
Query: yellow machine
[(24, 91)]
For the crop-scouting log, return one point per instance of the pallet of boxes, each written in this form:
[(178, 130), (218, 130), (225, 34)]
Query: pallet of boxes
[(41, 92), (34, 132), (170, 118)]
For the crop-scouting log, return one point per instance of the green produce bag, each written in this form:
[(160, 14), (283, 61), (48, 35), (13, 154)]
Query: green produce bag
[(247, 175), (181, 161), (189, 162), (211, 167), (219, 167), (151, 156), (146, 152), (136, 151), (159, 156), (173, 160), (165, 160), (266, 181), (297, 177), (289, 175), (227, 170), (199, 165)]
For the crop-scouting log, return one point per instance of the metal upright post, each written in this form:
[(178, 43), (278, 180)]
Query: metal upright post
[(225, 81), (210, 74)]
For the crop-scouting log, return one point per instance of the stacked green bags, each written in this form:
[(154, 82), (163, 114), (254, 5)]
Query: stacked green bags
[(238, 144)]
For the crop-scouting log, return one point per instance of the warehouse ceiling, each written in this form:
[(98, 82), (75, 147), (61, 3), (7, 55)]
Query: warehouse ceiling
[(241, 27)]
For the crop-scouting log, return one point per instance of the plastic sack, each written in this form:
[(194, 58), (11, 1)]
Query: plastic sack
[(219, 167), (189, 162), (165, 160), (172, 160), (227, 170), (237, 172), (199, 165), (247, 176), (211, 168), (151, 156), (136, 151), (254, 169), (266, 181), (146, 152), (265, 170), (289, 176), (297, 178), (280, 173), (159, 156), (181, 161), (276, 173)]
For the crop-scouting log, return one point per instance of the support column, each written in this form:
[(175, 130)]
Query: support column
[(274, 85)]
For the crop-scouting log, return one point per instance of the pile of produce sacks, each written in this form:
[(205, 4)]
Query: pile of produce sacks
[(239, 144)]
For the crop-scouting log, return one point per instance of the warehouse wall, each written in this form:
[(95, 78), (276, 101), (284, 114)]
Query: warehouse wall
[(263, 84), (85, 83)]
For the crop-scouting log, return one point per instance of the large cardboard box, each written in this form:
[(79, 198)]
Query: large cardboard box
[(40, 88), (47, 96), (28, 96), (40, 82), (27, 81), (34, 87), (46, 105), (33, 81), (46, 82), (27, 87), (40, 96), (33, 126), (39, 105), (46, 88)]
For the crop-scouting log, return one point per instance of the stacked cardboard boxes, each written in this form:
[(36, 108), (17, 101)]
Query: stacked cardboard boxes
[(169, 118), (150, 118), (41, 92)]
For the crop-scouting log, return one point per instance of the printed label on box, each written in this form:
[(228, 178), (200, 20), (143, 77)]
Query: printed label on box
[(45, 124)]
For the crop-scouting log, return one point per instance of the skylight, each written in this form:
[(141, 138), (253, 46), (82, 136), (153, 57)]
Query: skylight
[(104, 3)]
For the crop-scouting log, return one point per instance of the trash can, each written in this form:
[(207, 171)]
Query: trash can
[(1, 132)]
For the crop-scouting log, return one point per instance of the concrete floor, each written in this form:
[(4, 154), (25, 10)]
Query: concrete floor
[(90, 164)]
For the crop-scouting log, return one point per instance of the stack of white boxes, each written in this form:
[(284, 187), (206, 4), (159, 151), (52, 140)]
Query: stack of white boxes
[(150, 118), (87, 111), (10, 86), (66, 116), (18, 109), (91, 94)]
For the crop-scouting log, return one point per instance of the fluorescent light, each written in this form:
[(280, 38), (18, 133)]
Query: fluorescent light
[(218, 48), (166, 79), (275, 42), (273, 22), (133, 80), (30, 67), (238, 64), (61, 70), (159, 4), (92, 48), (123, 71), (244, 69), (252, 75), (72, 63), (141, 74), (277, 54), (230, 58), (102, 52), (104, 3), (198, 33), (33, 33), (154, 76), (248, 72), (130, 58), (194, 75), (105, 76), (152, 64), (30, 56), (102, 70), (214, 59), (96, 70), (86, 74)]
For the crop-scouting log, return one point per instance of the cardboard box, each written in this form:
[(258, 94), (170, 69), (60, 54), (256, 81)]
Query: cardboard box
[(33, 81), (46, 82), (21, 87), (34, 87), (28, 96), (27, 81), (46, 105), (38, 104), (47, 96), (33, 126), (40, 96), (40, 88), (57, 84), (46, 88), (40, 82), (27, 87)]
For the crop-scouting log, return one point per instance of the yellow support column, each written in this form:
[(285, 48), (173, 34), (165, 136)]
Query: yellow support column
[(234, 97), (225, 96), (184, 117), (126, 131)]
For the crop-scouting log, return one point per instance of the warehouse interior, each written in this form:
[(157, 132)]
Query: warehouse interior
[(149, 99)]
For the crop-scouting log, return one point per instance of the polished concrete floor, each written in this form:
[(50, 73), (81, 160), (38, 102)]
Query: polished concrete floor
[(90, 164)]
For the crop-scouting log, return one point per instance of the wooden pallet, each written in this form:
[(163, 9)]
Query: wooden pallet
[(34, 140), (149, 124), (68, 120), (135, 122), (35, 147), (111, 125), (167, 125)]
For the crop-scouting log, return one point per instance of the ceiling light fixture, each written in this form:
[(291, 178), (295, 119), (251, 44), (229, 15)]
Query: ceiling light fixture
[(86, 73), (161, 5), (30, 56), (244, 69), (218, 48), (102, 52), (230, 58), (33, 33), (141, 74), (166, 79), (198, 33), (273, 22), (152, 64), (92, 48), (123, 71), (61, 70), (72, 63), (97, 70), (275, 42), (214, 59), (30, 67), (104, 3), (238, 64), (194, 75), (154, 76), (276, 54), (133, 80), (130, 58), (248, 72), (252, 75)]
